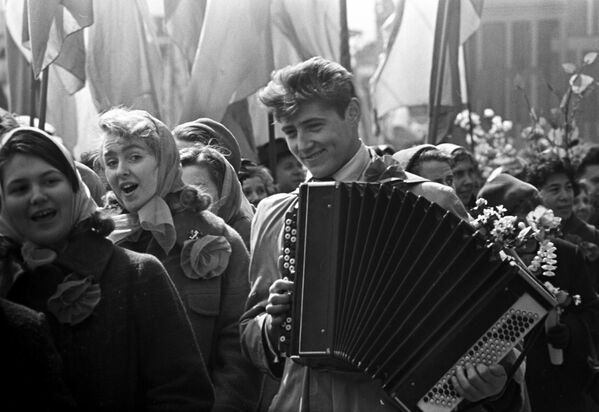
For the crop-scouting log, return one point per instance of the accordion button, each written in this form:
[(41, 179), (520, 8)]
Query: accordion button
[(291, 261), (293, 239)]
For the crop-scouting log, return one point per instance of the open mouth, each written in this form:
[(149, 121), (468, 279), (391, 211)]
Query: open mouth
[(127, 188), (43, 215)]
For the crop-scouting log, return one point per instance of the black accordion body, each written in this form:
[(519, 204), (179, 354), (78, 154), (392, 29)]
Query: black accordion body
[(398, 288)]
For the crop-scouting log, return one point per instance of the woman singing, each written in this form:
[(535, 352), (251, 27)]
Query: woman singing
[(115, 316)]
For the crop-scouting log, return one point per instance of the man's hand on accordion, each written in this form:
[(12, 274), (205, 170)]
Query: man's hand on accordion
[(279, 303), (480, 382)]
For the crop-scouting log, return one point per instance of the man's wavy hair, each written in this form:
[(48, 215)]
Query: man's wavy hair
[(314, 80)]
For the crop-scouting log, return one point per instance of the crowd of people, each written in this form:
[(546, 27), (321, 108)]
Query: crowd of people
[(148, 275)]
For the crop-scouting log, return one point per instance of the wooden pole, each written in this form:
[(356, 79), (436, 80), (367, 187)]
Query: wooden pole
[(32, 99), (344, 55), (43, 99), (437, 70)]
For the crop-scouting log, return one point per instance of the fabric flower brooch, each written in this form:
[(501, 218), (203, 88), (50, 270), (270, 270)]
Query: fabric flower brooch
[(75, 299), (205, 256), (384, 167)]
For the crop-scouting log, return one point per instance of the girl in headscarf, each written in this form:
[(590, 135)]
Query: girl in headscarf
[(204, 256), (115, 316), (207, 169)]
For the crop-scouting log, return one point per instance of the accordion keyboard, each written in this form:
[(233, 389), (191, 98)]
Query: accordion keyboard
[(489, 349)]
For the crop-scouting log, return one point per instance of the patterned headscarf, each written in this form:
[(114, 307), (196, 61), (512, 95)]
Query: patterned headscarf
[(83, 206), (155, 216)]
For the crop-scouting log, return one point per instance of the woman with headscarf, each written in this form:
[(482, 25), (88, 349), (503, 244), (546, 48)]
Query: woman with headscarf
[(205, 257), (207, 169), (115, 316)]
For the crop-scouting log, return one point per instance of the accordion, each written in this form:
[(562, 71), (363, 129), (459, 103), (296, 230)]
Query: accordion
[(400, 289)]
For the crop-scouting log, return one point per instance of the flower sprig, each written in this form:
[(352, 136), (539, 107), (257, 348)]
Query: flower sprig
[(489, 137), (506, 232)]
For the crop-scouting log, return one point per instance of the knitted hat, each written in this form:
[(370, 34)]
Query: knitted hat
[(508, 191), (224, 137), (281, 150), (408, 157)]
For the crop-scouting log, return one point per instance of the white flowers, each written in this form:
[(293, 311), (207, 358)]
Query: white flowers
[(545, 259), (488, 112), (541, 220), (506, 232), (580, 82)]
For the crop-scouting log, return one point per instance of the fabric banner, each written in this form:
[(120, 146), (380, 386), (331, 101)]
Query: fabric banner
[(242, 42), (306, 28), (124, 64), (233, 60), (184, 20), (50, 32), (403, 77)]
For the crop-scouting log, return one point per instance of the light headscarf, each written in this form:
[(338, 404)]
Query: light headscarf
[(232, 199), (155, 216), (83, 205)]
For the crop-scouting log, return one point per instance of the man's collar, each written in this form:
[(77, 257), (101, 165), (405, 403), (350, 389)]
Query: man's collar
[(355, 168)]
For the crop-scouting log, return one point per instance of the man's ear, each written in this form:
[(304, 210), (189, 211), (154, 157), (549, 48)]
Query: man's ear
[(353, 110)]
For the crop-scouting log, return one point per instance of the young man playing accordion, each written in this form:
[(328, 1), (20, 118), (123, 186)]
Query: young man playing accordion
[(316, 105)]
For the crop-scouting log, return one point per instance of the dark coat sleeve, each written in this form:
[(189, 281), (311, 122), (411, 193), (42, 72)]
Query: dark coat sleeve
[(31, 362), (575, 278)]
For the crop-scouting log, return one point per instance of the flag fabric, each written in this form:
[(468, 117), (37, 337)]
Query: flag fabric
[(233, 60), (243, 41), (403, 77), (50, 32), (306, 28), (56, 36), (124, 64), (18, 67), (183, 20)]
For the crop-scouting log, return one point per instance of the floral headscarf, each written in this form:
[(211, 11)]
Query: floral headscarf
[(155, 216), (83, 207)]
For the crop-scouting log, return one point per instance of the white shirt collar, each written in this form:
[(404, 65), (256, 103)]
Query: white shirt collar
[(356, 167)]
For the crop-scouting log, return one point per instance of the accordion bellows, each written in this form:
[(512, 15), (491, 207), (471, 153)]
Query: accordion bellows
[(393, 285)]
